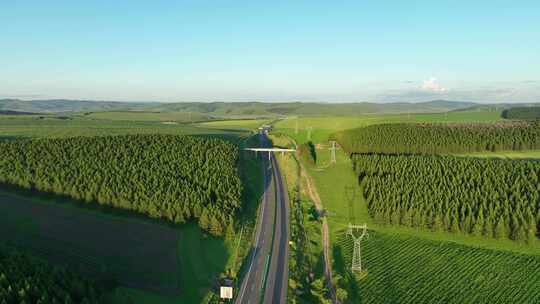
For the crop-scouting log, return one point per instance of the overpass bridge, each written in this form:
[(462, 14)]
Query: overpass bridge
[(270, 150)]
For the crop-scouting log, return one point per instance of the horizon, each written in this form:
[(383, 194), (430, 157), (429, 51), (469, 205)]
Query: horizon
[(481, 52), (270, 102)]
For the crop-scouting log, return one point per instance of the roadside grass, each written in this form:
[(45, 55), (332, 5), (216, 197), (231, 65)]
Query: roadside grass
[(306, 261)]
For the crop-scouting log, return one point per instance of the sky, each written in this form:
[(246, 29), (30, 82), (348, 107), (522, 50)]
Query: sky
[(326, 51)]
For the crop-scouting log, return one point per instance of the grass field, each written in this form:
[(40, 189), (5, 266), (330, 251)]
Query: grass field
[(249, 124), (33, 126), (185, 117), (477, 115), (318, 129)]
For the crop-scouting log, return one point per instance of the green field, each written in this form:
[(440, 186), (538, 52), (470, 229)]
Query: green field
[(392, 254), (201, 258), (185, 117), (476, 115), (319, 128), (249, 124), (50, 126), (164, 263), (409, 269)]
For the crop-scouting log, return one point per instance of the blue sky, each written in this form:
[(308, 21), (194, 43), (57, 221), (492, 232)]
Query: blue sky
[(485, 51)]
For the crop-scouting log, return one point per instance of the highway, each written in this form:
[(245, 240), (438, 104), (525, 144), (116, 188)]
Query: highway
[(266, 280)]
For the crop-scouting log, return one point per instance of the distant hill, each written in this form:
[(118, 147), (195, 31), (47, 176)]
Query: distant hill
[(65, 105), (308, 108), (232, 109), (9, 112)]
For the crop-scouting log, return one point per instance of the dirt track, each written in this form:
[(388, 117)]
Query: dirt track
[(314, 195)]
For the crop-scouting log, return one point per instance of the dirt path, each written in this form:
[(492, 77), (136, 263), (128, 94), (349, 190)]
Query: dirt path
[(314, 195)]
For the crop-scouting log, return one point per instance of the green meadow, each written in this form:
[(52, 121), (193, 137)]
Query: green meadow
[(184, 117), (319, 128)]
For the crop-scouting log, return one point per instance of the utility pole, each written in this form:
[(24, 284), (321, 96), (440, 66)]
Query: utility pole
[(357, 256), (333, 152)]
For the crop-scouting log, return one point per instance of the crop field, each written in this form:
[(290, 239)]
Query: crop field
[(408, 269)]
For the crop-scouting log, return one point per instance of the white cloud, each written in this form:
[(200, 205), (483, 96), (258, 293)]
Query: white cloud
[(433, 85)]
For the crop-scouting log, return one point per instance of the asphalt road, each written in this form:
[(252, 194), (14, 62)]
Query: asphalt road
[(268, 271)]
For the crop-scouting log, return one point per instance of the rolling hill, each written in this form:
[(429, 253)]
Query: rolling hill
[(230, 109)]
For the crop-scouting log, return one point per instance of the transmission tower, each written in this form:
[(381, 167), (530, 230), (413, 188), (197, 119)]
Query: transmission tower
[(309, 133), (296, 127), (333, 152), (356, 264)]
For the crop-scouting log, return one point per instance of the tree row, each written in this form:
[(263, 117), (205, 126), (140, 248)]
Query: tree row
[(163, 176), (441, 138), (522, 113), (489, 197), (26, 279)]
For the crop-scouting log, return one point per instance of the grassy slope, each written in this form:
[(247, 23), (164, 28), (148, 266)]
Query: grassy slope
[(202, 258)]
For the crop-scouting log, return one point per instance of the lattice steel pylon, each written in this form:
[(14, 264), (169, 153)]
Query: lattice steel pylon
[(309, 129), (356, 264), (332, 152)]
